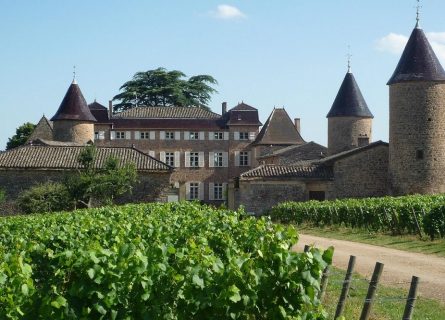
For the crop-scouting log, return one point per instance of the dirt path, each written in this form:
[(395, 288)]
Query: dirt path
[(399, 265)]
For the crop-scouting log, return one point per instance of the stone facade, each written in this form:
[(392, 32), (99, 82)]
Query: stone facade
[(73, 131), (345, 133), (417, 137)]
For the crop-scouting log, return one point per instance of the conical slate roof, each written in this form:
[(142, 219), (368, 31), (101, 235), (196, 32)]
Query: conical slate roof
[(74, 106), (349, 101), (418, 61)]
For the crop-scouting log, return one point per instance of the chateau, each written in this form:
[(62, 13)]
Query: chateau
[(229, 158)]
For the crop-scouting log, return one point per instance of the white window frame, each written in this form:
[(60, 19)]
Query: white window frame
[(219, 195), (218, 135), (99, 135), (244, 159), (238, 156), (120, 135), (194, 159), (169, 135), (144, 135), (194, 135), (170, 158), (194, 190), (244, 135)]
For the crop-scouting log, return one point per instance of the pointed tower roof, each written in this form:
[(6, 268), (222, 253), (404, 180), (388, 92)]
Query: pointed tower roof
[(278, 130), (74, 106), (418, 61), (349, 101)]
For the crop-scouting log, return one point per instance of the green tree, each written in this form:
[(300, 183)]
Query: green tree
[(160, 87), (22, 134), (100, 186)]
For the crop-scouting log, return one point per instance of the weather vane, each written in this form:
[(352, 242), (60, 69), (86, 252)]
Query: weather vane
[(418, 13), (74, 73), (349, 55)]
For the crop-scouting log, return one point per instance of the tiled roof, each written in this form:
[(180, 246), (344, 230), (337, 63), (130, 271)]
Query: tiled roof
[(65, 158), (43, 130), (301, 170), (186, 124), (418, 61), (241, 115), (278, 129), (347, 153), (73, 106), (294, 153), (96, 106), (243, 107), (167, 113), (100, 112), (349, 101)]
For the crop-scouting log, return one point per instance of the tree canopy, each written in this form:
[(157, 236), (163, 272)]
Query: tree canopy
[(22, 134), (160, 87)]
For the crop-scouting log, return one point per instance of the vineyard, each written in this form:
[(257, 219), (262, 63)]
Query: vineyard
[(399, 215), (156, 261)]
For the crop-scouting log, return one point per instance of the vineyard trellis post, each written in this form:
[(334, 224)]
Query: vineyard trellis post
[(411, 299), (366, 311), (419, 230), (345, 289)]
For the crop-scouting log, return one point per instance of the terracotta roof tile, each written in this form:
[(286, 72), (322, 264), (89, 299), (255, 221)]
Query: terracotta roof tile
[(167, 113), (301, 170), (294, 153)]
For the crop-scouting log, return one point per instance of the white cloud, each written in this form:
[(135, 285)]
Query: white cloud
[(393, 43), (224, 11)]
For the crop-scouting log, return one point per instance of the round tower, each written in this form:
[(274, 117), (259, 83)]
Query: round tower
[(417, 120), (73, 121), (349, 120)]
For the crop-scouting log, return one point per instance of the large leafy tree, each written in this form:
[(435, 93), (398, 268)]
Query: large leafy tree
[(22, 134), (160, 87)]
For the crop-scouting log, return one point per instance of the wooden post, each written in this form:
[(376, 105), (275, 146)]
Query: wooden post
[(345, 289), (411, 299), (366, 311), (306, 248), (324, 283), (417, 224)]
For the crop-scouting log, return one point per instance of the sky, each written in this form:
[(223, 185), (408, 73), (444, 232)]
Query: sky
[(284, 53)]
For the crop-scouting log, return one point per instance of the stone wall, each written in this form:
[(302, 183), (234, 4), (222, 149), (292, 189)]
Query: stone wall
[(364, 174), (344, 132), (73, 131), (417, 138)]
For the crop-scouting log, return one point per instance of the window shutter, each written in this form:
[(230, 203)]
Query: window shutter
[(225, 191), (211, 159), (151, 153), (162, 156), (177, 135), (112, 135), (201, 135), (211, 192), (152, 135), (226, 136), (251, 135), (225, 159), (162, 135), (101, 135), (236, 135), (128, 135), (248, 158), (211, 135), (187, 190), (236, 158), (201, 191), (186, 135), (137, 135), (187, 159), (201, 159), (177, 159)]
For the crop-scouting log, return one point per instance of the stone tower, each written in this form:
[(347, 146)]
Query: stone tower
[(349, 120), (417, 120), (73, 121)]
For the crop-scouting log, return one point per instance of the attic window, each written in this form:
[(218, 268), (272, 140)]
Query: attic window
[(363, 141), (419, 154), (239, 118)]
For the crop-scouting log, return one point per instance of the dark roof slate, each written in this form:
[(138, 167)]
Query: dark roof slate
[(65, 158), (347, 153), (294, 153), (302, 170), (192, 124), (349, 101), (74, 106), (167, 113), (418, 61), (278, 129), (99, 112), (242, 114)]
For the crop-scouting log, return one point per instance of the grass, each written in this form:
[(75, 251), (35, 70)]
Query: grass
[(402, 242), (389, 303)]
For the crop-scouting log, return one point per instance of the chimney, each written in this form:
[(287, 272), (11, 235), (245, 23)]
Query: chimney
[(110, 109), (297, 124), (224, 108)]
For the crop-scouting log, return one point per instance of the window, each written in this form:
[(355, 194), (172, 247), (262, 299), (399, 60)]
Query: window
[(244, 135), (120, 134), (194, 159), (170, 159), (145, 135), (317, 195), (99, 135), (218, 159), (194, 191), (218, 191), (169, 135), (194, 136), (218, 135), (243, 158)]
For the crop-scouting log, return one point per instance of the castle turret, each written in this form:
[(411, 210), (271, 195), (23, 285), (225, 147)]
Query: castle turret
[(416, 120), (73, 121), (349, 120)]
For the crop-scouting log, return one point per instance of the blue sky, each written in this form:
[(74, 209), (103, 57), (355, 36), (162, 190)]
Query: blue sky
[(289, 53)]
